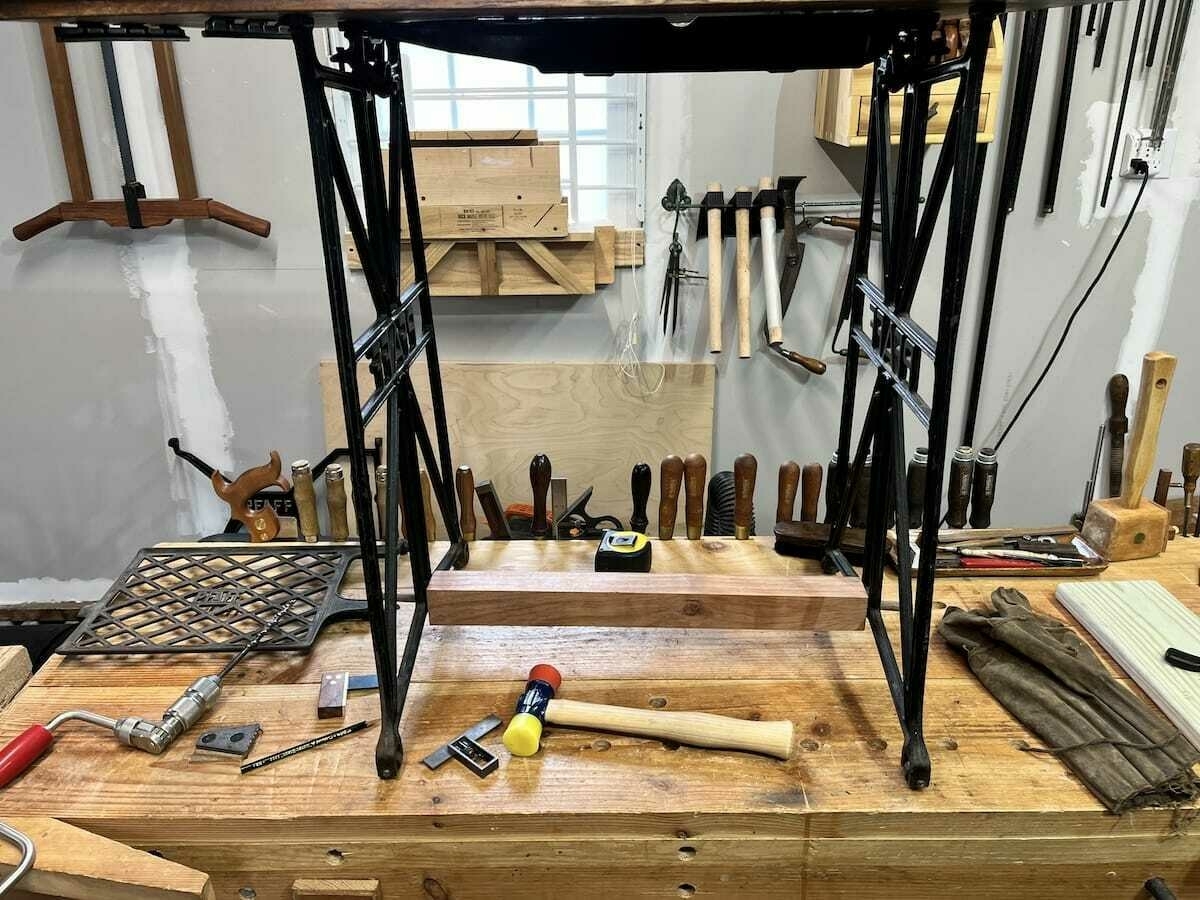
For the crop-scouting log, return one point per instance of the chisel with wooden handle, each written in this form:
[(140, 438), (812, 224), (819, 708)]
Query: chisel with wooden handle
[(1118, 425), (670, 480), (745, 468), (715, 260), (1191, 471), (810, 491), (464, 485), (741, 229), (770, 268), (695, 473), (639, 485), (539, 480), (789, 484)]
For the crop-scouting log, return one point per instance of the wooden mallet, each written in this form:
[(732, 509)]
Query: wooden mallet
[(537, 705), (1130, 526)]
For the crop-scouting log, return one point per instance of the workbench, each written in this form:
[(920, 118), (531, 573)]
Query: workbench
[(601, 815)]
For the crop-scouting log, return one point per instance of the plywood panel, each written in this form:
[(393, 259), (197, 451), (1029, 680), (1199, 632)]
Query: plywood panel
[(1136, 621), (594, 423)]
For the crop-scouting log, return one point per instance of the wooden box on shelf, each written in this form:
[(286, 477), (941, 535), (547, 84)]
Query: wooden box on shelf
[(844, 102)]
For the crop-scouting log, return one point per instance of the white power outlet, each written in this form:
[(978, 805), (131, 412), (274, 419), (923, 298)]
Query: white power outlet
[(1138, 145)]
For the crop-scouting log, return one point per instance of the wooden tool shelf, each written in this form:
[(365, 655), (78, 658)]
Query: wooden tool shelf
[(843, 106)]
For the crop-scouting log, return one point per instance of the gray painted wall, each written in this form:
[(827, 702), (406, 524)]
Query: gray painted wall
[(102, 362)]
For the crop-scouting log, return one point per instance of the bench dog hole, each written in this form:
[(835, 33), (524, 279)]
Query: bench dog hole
[(335, 857), (687, 852)]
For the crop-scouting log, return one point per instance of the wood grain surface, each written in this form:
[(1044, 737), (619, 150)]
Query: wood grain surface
[(605, 815), (592, 422)]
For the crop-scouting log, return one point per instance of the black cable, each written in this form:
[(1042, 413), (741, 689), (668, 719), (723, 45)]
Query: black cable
[(1079, 306)]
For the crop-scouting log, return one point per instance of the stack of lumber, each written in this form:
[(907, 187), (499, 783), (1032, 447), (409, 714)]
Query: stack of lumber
[(495, 223)]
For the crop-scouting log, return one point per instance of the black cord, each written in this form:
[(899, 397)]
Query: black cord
[(1144, 169)]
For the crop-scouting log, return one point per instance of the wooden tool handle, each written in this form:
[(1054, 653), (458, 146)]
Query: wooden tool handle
[(741, 228), (1158, 370), (850, 222), (695, 729), (263, 523), (715, 260), (335, 501), (745, 468), (1118, 399), (464, 484), (1162, 487), (695, 472), (43, 221), (639, 486), (493, 510), (1190, 466), (539, 480), (810, 491), (23, 751), (789, 483), (770, 266), (427, 505), (381, 500), (305, 496), (670, 480), (808, 362), (238, 219)]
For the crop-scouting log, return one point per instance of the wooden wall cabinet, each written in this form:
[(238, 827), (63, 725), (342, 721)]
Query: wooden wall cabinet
[(844, 102)]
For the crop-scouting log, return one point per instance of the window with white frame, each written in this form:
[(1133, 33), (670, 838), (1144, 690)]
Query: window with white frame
[(599, 122)]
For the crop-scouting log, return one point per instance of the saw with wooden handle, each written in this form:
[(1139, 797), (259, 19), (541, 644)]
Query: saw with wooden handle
[(262, 523)]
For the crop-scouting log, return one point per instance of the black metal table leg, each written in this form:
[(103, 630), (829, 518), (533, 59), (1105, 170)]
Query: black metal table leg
[(369, 68), (895, 345)]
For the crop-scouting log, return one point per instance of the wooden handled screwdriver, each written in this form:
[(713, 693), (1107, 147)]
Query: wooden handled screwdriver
[(745, 468), (789, 484), (741, 227), (695, 474), (715, 260), (770, 270), (670, 480), (539, 480), (1191, 471), (639, 485), (1118, 425), (464, 484), (810, 491)]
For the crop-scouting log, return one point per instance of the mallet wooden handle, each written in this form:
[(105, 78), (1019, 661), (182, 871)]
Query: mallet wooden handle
[(741, 228), (745, 469), (695, 472), (770, 267), (715, 260), (810, 491), (670, 480), (1158, 369), (789, 483), (464, 484), (695, 729), (539, 480)]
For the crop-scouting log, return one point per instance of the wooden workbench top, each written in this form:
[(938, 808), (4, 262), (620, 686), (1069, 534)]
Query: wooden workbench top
[(840, 801)]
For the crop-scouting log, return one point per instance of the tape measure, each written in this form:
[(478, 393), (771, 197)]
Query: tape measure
[(623, 551)]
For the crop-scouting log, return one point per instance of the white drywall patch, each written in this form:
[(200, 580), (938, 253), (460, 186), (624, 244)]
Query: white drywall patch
[(158, 274), (30, 590)]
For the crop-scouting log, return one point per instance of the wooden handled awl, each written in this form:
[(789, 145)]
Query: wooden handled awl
[(335, 502), (770, 268), (789, 484), (810, 491), (670, 480), (695, 474), (464, 485), (306, 501), (715, 260), (639, 485), (539, 480), (745, 468), (1129, 526), (741, 230)]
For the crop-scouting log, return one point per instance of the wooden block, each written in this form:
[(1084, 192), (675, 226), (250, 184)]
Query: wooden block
[(468, 175), (77, 864), (15, 669), (1136, 621), (523, 268), (630, 248), (605, 246), (335, 889), (489, 273), (331, 698), (635, 600), (481, 220), (1117, 533)]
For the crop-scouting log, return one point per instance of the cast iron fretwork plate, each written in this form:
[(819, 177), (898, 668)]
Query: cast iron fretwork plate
[(199, 600)]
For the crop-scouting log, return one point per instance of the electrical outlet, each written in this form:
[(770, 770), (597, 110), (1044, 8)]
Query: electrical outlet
[(1138, 145)]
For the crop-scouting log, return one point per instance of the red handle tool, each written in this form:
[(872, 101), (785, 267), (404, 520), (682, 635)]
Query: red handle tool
[(23, 751)]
